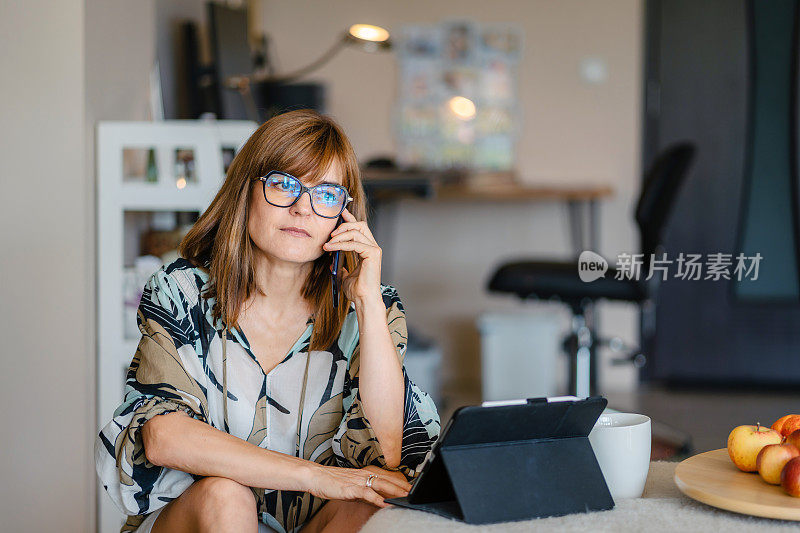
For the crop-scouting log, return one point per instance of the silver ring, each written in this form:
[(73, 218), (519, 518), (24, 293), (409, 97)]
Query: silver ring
[(370, 478)]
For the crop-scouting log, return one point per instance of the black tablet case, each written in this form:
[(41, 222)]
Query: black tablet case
[(513, 462)]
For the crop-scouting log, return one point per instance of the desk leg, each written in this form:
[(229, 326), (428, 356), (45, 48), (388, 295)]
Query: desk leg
[(594, 226), (584, 222), (383, 224), (593, 322), (575, 226), (584, 225)]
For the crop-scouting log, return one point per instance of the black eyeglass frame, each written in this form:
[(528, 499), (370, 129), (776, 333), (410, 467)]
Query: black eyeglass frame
[(303, 189)]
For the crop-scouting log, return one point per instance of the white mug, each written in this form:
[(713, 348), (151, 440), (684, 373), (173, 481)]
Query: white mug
[(621, 443)]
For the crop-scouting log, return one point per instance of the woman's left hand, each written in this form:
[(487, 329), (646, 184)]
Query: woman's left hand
[(353, 235), (397, 477)]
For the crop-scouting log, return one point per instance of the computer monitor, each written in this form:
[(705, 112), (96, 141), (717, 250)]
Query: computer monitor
[(232, 55)]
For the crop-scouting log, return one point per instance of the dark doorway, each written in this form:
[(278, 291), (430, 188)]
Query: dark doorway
[(723, 74)]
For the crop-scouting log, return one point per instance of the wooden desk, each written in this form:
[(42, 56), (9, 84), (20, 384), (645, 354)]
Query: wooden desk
[(521, 192), (383, 185)]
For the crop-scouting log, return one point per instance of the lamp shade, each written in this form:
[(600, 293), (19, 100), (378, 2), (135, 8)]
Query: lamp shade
[(368, 37), (368, 32)]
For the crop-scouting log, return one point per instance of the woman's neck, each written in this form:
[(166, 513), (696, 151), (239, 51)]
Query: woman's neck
[(279, 285), (259, 307)]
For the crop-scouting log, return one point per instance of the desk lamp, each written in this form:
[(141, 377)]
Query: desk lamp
[(363, 36)]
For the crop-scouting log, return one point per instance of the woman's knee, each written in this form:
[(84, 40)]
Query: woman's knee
[(224, 491), (206, 504), (358, 510), (352, 515), (341, 515), (217, 500)]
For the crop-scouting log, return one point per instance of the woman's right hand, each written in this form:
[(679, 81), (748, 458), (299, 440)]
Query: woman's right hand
[(336, 483)]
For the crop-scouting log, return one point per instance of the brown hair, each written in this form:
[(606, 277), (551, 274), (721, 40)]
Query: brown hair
[(303, 143)]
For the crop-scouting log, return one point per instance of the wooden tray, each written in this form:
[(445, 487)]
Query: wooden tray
[(713, 479)]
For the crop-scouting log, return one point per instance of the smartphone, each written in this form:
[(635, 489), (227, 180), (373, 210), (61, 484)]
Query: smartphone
[(335, 272)]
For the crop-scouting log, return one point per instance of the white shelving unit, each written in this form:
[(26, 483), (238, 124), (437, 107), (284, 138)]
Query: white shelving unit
[(168, 184)]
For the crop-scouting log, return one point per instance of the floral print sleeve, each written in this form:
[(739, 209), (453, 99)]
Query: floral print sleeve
[(355, 443), (160, 380)]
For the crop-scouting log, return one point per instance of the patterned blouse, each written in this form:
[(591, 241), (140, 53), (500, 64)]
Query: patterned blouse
[(178, 365)]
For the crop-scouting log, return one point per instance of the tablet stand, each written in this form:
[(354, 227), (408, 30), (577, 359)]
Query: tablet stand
[(489, 482)]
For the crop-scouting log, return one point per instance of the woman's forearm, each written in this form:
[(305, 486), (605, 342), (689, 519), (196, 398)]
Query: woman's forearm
[(178, 441), (380, 380)]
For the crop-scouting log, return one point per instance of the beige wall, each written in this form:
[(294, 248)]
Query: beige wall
[(67, 64), (46, 363), (120, 51), (573, 132)]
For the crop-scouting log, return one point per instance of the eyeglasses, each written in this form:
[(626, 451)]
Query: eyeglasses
[(283, 190)]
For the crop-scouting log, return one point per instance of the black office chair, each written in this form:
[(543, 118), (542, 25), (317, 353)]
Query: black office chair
[(559, 279)]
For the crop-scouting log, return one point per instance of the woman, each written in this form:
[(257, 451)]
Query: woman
[(282, 411)]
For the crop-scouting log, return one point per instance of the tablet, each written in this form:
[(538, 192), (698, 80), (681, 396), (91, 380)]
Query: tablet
[(502, 425)]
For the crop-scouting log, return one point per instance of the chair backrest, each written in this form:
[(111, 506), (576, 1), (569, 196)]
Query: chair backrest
[(660, 188)]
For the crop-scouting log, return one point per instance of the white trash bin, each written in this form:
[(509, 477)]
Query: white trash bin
[(521, 354), (422, 366), (423, 363)]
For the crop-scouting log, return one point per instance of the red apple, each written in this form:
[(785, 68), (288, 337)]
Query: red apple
[(778, 424), (790, 477), (745, 442), (770, 461), (790, 425), (793, 438)]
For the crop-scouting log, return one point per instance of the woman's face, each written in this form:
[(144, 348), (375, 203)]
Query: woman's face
[(269, 225)]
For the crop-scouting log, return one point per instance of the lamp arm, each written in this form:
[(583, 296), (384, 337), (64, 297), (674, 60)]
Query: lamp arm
[(242, 83), (324, 58)]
